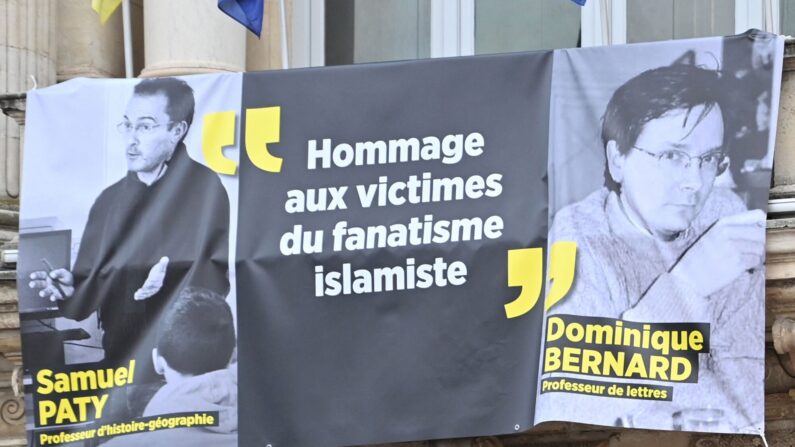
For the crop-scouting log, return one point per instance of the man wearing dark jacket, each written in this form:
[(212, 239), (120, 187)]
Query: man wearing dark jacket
[(161, 228)]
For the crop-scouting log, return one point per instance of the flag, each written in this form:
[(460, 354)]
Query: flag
[(579, 2), (247, 12), (105, 8)]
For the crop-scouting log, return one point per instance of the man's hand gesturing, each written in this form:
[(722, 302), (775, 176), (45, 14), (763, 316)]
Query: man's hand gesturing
[(153, 283)]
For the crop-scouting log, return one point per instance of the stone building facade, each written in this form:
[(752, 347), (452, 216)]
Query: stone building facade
[(48, 41)]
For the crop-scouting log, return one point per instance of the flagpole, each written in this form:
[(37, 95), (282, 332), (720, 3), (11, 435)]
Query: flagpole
[(767, 9), (285, 58), (128, 58), (607, 32)]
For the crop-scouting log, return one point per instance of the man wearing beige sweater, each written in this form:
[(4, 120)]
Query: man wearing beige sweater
[(661, 242)]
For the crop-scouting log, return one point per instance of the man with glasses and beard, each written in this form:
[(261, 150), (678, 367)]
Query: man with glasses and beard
[(161, 228), (661, 242)]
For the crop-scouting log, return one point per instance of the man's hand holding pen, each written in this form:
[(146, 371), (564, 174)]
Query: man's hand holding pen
[(56, 284)]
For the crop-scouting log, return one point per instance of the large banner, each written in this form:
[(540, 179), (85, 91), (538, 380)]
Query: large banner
[(666, 311), (400, 251)]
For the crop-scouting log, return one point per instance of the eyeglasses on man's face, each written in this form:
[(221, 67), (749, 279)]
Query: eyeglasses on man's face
[(673, 160), (144, 128)]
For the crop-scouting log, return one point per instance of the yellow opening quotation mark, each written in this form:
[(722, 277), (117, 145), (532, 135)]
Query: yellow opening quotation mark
[(262, 128), (218, 131), (526, 270)]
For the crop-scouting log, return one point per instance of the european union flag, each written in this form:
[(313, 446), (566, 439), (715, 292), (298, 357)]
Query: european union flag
[(247, 12)]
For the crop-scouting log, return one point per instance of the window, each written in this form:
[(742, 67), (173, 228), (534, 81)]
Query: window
[(678, 19), (332, 32), (376, 30), (608, 22), (521, 25), (787, 8)]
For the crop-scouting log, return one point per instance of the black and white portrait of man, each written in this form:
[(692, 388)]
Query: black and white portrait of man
[(673, 234), (160, 228)]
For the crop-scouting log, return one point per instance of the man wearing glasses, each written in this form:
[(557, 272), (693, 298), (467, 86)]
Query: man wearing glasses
[(661, 242), (161, 228)]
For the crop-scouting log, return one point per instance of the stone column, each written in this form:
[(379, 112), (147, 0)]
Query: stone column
[(265, 53), (784, 164), (27, 53), (27, 58), (191, 36), (86, 48)]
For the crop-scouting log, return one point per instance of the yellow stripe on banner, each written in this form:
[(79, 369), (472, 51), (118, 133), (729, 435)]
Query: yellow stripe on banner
[(105, 8)]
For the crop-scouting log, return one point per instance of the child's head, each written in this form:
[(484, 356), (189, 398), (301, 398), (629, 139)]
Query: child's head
[(195, 336)]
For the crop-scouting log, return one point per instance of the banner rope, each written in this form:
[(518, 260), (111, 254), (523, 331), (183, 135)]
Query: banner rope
[(762, 435)]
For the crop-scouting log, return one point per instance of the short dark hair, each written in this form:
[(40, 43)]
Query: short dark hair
[(652, 94), (179, 94), (197, 334)]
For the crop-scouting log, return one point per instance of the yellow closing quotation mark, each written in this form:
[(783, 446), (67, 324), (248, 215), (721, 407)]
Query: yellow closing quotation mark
[(526, 270), (262, 128)]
